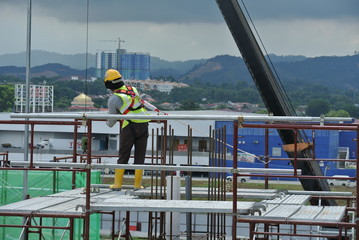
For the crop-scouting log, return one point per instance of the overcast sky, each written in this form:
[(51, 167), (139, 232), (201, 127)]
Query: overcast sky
[(179, 30)]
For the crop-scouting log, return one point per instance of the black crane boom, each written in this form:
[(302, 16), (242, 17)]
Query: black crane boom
[(272, 93)]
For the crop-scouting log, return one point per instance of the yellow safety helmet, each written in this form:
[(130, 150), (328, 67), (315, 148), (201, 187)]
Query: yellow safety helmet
[(111, 75)]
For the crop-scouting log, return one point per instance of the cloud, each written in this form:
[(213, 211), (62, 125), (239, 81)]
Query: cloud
[(310, 37), (157, 11), (180, 30), (317, 9), (184, 11)]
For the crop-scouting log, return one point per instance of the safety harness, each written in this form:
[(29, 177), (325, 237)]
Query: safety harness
[(132, 94)]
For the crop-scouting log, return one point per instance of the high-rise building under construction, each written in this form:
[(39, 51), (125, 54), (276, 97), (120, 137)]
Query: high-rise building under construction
[(131, 65)]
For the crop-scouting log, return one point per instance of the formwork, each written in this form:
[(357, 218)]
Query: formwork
[(265, 213)]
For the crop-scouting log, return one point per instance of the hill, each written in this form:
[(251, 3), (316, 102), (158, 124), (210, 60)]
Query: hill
[(333, 71), (162, 68), (159, 67), (220, 69), (39, 57), (48, 70)]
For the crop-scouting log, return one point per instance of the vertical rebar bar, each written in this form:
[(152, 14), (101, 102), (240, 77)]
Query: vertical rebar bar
[(88, 182), (357, 186), (223, 181), (235, 167), (188, 184), (188, 215), (295, 151), (74, 156), (266, 154), (31, 145), (127, 224), (163, 180), (211, 155), (313, 141)]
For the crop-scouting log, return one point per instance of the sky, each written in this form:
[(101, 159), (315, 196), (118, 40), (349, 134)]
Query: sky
[(179, 30)]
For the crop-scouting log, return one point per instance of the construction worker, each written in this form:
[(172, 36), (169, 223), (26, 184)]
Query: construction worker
[(126, 100)]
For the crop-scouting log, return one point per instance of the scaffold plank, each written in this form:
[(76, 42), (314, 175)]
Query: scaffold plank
[(281, 211), (68, 207), (204, 193), (72, 202), (34, 205), (290, 199), (158, 205), (306, 213), (296, 199), (100, 193), (331, 214)]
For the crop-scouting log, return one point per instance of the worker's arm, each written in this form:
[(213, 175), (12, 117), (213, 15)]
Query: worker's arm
[(114, 105)]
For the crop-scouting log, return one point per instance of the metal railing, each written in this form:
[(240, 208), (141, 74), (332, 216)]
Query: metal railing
[(163, 161)]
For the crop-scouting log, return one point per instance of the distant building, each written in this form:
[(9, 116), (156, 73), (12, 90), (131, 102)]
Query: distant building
[(159, 85), (134, 65), (104, 61), (131, 65), (82, 103)]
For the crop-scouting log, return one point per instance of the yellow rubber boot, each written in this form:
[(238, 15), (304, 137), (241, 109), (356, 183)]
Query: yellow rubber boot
[(117, 183), (138, 179)]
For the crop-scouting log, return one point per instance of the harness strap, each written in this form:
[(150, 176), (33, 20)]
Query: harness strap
[(132, 94)]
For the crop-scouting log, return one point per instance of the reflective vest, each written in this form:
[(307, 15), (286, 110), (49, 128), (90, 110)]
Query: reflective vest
[(131, 104)]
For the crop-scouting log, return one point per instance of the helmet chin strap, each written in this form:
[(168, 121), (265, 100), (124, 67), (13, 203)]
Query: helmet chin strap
[(113, 86)]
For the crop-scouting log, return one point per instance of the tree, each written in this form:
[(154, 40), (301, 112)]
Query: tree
[(317, 107), (189, 104), (352, 110), (339, 113), (6, 97)]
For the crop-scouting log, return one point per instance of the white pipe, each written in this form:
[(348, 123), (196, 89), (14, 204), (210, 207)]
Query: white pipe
[(155, 167), (102, 116)]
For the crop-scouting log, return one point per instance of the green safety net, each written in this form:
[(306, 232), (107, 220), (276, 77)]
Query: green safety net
[(43, 183)]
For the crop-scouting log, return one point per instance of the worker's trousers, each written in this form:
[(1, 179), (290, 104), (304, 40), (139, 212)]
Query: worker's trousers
[(134, 134)]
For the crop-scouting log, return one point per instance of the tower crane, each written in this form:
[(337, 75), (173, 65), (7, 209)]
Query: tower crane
[(119, 41)]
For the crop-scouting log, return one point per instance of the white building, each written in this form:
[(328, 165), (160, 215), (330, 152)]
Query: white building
[(159, 85)]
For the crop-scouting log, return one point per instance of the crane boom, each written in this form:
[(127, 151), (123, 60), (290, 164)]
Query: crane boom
[(272, 93)]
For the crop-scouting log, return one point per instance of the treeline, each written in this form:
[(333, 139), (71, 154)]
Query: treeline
[(209, 93), (316, 98)]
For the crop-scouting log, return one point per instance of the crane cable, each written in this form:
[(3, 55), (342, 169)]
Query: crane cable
[(304, 135), (265, 50)]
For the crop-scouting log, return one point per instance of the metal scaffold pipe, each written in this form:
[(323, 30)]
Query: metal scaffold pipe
[(153, 167), (101, 116)]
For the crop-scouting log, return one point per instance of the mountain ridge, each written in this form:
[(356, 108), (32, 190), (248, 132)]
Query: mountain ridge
[(334, 70), (337, 71)]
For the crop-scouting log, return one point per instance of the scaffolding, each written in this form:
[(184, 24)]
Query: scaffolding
[(41, 98), (254, 213)]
